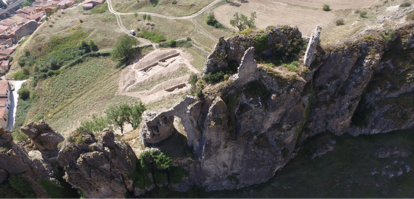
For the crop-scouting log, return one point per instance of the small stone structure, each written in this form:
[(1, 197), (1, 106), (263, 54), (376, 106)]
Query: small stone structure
[(310, 50)]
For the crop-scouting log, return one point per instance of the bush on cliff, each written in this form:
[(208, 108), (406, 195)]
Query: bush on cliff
[(24, 93), (21, 185), (213, 78)]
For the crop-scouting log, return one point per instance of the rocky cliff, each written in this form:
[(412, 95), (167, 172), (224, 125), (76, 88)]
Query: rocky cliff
[(244, 129)]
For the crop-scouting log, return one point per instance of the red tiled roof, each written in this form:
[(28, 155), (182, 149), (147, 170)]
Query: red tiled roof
[(3, 102), (2, 111), (87, 5), (5, 63), (3, 28), (8, 22), (6, 52), (4, 85)]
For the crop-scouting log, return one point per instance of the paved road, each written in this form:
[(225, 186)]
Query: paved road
[(11, 6), (15, 97)]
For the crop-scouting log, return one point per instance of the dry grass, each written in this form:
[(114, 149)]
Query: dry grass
[(199, 59), (71, 97), (165, 7), (171, 29), (270, 13)]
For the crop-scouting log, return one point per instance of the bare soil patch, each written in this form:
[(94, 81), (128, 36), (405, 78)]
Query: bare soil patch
[(159, 70), (274, 13), (334, 4)]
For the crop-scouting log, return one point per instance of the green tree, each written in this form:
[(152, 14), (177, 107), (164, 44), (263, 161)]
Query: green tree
[(26, 3), (136, 14), (144, 17), (136, 113), (123, 47), (251, 21), (24, 93), (114, 114), (239, 21), (149, 17), (84, 46), (92, 45)]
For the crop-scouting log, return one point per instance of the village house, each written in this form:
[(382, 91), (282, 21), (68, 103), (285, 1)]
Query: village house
[(4, 29), (26, 10), (9, 22), (89, 4), (5, 102), (66, 3), (4, 66)]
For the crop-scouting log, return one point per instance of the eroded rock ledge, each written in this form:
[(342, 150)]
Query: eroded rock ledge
[(246, 128)]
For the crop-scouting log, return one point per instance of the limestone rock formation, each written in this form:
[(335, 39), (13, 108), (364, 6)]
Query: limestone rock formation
[(244, 132), (310, 50), (15, 160), (43, 137), (98, 164)]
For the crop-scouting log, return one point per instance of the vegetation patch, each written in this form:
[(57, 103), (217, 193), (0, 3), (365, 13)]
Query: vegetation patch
[(21, 185), (153, 36), (211, 21), (99, 9)]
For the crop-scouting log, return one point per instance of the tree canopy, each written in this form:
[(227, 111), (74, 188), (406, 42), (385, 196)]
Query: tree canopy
[(123, 47)]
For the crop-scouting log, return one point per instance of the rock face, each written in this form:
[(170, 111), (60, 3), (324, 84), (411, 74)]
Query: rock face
[(229, 52), (43, 137), (98, 165), (243, 133), (15, 160)]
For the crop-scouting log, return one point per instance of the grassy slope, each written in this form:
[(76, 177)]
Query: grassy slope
[(102, 28), (165, 7), (87, 88)]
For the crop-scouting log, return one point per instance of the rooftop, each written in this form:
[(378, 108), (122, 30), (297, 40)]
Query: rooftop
[(2, 111), (4, 85), (3, 102), (8, 22)]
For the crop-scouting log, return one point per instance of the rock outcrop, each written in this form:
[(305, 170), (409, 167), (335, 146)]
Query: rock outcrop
[(313, 43), (246, 130), (16, 161), (43, 137), (98, 164)]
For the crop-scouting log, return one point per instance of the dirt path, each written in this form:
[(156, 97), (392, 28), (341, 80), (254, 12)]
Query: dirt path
[(168, 17)]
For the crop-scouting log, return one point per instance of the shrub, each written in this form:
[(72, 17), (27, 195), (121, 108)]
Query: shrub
[(136, 14), (193, 79), (21, 185), (405, 4), (261, 43), (226, 77), (26, 70), (24, 93), (410, 16), (174, 2), (200, 94), (19, 136), (154, 37), (213, 78), (19, 75), (176, 174), (211, 21), (372, 52), (340, 22), (363, 14), (172, 43), (326, 7)]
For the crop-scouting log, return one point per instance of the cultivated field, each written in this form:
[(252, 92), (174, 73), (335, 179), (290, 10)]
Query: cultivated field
[(273, 13)]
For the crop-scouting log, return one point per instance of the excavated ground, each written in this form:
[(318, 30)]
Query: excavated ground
[(160, 75)]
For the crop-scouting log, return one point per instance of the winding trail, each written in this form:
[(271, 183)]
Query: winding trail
[(164, 16), (144, 42)]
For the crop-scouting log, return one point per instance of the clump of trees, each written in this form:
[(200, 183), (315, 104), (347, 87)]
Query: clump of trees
[(211, 21), (242, 22), (123, 48), (116, 116), (124, 113)]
